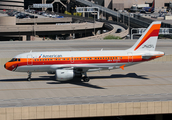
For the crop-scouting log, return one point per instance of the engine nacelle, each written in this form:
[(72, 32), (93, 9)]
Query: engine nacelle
[(64, 75)]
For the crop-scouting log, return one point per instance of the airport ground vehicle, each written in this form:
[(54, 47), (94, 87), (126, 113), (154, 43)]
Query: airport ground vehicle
[(70, 64)]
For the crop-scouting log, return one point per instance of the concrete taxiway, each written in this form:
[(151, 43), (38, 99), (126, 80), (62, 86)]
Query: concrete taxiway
[(145, 88)]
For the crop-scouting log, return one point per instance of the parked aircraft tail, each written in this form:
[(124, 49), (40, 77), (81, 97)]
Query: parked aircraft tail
[(152, 7), (148, 39)]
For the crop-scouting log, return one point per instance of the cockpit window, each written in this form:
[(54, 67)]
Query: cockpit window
[(11, 60), (14, 59)]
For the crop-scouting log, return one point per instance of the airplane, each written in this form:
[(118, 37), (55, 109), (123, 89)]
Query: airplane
[(148, 9), (69, 64)]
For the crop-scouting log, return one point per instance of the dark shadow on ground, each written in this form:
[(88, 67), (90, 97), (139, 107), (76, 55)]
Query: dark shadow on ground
[(42, 78), (77, 81), (52, 78), (129, 75)]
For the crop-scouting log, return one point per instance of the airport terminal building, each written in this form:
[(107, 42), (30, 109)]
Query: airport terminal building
[(126, 4), (112, 4)]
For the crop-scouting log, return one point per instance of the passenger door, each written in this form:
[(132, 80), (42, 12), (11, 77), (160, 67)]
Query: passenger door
[(29, 60), (72, 59), (130, 57)]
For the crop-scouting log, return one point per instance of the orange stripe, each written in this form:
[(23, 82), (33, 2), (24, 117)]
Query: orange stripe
[(154, 27)]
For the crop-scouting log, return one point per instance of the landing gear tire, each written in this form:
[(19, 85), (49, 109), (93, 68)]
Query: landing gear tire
[(29, 76), (28, 79), (86, 79)]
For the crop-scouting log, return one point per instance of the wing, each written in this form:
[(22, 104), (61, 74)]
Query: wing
[(83, 67)]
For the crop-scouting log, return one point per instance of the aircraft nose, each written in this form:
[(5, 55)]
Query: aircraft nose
[(5, 66)]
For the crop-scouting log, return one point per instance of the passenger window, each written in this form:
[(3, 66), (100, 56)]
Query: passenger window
[(64, 59), (90, 58), (87, 58), (37, 59), (43, 59), (68, 59), (19, 60), (58, 59), (40, 59), (51, 59), (110, 57), (100, 58), (95, 58), (105, 57)]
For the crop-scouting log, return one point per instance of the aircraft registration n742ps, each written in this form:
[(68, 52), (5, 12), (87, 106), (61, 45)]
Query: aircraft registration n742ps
[(69, 64)]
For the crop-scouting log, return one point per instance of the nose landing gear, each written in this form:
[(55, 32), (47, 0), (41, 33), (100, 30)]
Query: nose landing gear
[(29, 76)]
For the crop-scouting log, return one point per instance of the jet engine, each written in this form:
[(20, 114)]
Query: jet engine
[(64, 75)]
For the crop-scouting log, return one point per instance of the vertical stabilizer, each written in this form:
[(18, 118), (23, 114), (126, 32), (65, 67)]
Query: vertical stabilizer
[(148, 39), (151, 9)]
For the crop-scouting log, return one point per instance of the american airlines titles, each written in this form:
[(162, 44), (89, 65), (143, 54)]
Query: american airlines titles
[(49, 56)]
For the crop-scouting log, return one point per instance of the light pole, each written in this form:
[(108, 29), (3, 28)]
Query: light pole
[(105, 13), (94, 24), (123, 18), (117, 16), (129, 23), (34, 25), (85, 28), (73, 32)]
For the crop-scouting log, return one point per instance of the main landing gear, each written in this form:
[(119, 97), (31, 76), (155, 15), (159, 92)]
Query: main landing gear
[(29, 76), (85, 78)]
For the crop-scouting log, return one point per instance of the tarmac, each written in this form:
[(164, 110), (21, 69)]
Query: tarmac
[(145, 82)]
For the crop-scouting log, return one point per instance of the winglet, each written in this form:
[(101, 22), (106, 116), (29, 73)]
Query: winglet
[(122, 67)]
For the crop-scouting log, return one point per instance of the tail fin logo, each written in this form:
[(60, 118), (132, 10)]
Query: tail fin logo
[(152, 32), (148, 46), (40, 56)]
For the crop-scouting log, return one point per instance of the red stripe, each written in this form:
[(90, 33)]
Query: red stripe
[(78, 62), (154, 33)]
